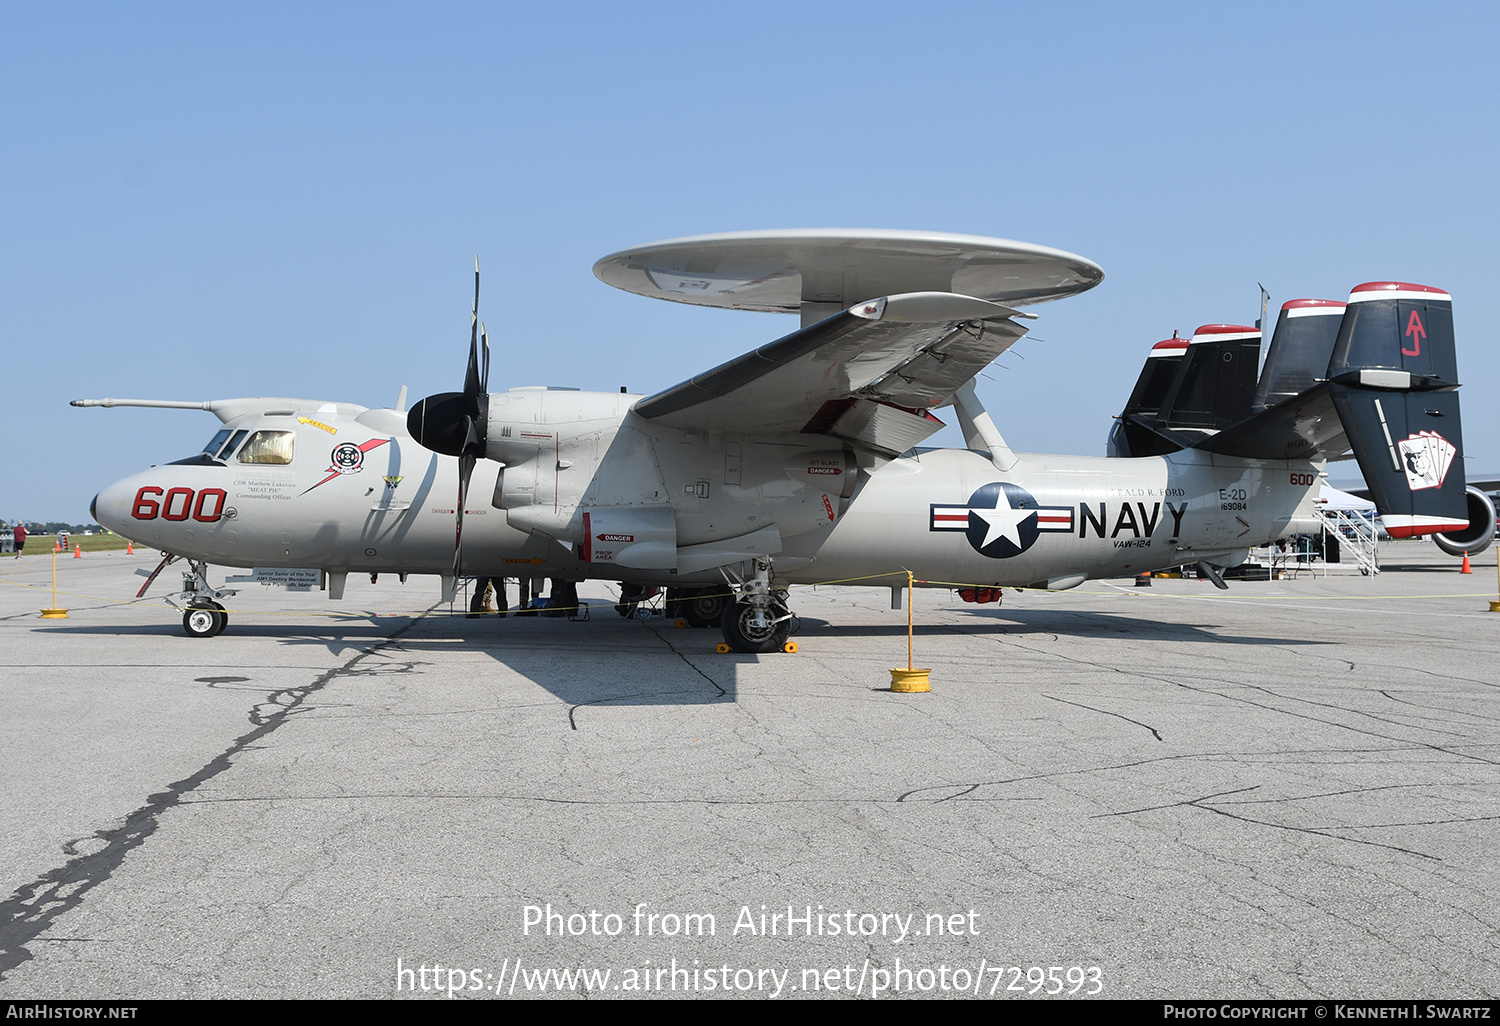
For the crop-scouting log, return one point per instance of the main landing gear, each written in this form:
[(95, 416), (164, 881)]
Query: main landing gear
[(752, 617), (758, 619), (700, 607)]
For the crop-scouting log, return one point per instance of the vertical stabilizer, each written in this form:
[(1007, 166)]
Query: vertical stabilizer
[(1133, 433), (1300, 350), (1215, 382), (1393, 376)]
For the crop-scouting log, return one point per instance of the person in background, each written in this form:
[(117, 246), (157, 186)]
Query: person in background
[(483, 586), (530, 592), (20, 538)]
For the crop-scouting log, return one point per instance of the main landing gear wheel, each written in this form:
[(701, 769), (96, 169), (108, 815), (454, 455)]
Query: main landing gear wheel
[(704, 608), (747, 629), (202, 622)]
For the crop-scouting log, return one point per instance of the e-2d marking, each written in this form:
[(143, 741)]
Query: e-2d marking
[(1235, 498)]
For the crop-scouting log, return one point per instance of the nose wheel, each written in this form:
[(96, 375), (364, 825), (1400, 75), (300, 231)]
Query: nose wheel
[(203, 617), (205, 621)]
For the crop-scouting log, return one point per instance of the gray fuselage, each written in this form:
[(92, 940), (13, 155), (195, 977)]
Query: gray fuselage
[(575, 486)]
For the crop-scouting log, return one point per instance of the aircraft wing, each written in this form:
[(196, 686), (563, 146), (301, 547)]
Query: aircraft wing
[(868, 375)]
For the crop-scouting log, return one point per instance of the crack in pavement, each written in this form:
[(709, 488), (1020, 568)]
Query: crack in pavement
[(1161, 678), (1106, 712), (1202, 801), (35, 906), (678, 653), (573, 709)]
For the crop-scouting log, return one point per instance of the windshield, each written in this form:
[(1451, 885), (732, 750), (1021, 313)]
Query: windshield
[(216, 443), (269, 447)]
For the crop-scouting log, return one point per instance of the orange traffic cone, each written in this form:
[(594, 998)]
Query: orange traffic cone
[(77, 551), (1465, 568), (57, 545), (130, 548)]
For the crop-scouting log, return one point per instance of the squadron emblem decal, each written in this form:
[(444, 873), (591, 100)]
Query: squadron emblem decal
[(348, 458), (1426, 457), (1001, 520)]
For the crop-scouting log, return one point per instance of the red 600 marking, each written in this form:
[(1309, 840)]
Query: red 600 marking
[(1303, 479), (178, 503), (145, 509), (168, 503)]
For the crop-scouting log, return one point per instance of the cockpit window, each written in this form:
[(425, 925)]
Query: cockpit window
[(268, 447), (216, 443)]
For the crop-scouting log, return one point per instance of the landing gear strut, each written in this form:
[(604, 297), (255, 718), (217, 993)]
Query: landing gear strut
[(204, 617), (758, 620)]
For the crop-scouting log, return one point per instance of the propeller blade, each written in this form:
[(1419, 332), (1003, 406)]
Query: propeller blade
[(465, 468), (484, 373), (456, 423), (473, 386)]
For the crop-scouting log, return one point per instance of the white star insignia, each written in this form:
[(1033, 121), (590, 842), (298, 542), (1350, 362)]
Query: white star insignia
[(1004, 521)]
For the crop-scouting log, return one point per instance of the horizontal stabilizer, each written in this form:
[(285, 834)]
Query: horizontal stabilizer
[(1304, 427), (1387, 393)]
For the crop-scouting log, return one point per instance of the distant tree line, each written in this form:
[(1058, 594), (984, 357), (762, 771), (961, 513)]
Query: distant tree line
[(53, 527)]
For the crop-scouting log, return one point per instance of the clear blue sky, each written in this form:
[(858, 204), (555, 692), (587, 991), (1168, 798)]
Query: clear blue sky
[(203, 201)]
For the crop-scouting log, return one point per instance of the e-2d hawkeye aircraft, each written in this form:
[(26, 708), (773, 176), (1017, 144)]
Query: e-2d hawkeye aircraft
[(799, 463)]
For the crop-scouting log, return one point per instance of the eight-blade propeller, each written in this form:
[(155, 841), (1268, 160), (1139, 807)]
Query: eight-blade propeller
[(454, 423)]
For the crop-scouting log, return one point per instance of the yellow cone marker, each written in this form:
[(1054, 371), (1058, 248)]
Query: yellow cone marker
[(910, 680), (54, 613)]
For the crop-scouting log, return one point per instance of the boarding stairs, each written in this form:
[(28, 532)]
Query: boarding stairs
[(1354, 535)]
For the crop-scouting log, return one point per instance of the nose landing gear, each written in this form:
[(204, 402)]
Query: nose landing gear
[(205, 621), (203, 617)]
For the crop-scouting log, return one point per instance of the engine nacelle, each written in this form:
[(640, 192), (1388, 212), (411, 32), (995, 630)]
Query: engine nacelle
[(1478, 535)]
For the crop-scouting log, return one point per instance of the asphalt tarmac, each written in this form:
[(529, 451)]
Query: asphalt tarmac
[(1286, 790)]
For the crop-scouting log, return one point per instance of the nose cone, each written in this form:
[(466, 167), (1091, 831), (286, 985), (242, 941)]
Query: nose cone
[(111, 507)]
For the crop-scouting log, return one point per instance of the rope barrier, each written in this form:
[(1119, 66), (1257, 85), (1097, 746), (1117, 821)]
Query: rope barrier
[(656, 600)]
